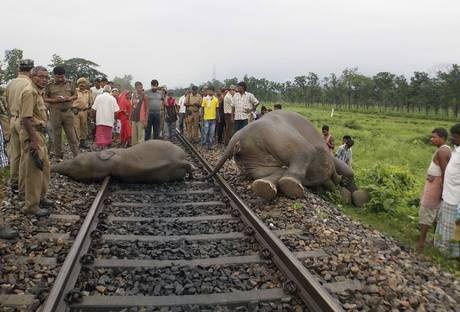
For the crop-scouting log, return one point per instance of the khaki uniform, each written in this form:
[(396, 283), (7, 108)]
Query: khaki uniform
[(14, 99), (61, 116), (192, 119), (35, 180), (80, 110)]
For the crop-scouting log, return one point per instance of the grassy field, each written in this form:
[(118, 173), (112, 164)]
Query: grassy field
[(393, 149)]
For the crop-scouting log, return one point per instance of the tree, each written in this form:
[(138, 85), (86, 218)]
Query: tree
[(12, 58), (124, 83), (78, 67)]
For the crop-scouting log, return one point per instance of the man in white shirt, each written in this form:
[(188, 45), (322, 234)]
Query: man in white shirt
[(228, 116), (96, 89), (449, 211), (105, 106), (182, 109), (243, 103)]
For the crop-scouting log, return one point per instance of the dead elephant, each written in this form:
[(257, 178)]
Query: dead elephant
[(284, 151), (154, 161)]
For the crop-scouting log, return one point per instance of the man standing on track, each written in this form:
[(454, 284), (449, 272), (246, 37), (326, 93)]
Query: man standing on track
[(192, 121), (14, 99), (80, 110), (228, 116), (244, 103), (155, 106), (35, 167), (182, 111), (60, 94)]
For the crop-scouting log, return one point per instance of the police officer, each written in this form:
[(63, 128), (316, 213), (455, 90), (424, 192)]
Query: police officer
[(14, 98), (80, 109), (60, 94), (192, 119), (34, 168)]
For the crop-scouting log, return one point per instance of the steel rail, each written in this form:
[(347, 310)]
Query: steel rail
[(316, 297), (68, 274)]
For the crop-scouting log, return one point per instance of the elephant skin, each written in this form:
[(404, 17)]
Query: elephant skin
[(284, 151), (154, 161)]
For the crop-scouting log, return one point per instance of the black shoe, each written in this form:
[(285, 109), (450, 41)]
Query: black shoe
[(46, 203), (7, 232)]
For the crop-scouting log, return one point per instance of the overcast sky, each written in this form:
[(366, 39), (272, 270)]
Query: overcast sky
[(179, 42)]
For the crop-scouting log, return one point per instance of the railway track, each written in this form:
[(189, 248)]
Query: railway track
[(190, 245)]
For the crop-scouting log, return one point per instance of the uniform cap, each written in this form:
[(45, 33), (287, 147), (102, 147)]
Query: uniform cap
[(82, 80)]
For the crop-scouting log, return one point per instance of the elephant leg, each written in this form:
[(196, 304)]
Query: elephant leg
[(291, 182), (266, 187)]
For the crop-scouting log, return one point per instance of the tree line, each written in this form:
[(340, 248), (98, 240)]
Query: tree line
[(422, 93), (352, 90), (76, 67)]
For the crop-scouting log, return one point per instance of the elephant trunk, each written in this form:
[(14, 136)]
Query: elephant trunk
[(227, 154)]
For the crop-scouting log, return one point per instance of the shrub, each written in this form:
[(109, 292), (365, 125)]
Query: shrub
[(389, 187), (353, 124)]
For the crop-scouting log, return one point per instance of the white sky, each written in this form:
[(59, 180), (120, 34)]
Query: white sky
[(179, 41)]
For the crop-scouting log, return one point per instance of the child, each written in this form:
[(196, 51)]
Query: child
[(328, 138), (344, 152)]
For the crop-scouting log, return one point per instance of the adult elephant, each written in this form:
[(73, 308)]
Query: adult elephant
[(284, 151)]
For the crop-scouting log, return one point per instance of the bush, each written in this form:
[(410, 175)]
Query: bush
[(420, 140), (353, 124), (389, 187)]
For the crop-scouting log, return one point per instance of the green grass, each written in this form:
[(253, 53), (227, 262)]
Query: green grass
[(398, 141)]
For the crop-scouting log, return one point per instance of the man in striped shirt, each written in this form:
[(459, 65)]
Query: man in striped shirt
[(243, 103)]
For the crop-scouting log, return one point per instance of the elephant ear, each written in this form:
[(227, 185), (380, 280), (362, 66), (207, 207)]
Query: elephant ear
[(105, 154)]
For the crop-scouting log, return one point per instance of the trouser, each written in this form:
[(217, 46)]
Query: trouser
[(220, 131), (228, 130), (171, 126), (59, 120), (35, 180), (207, 137), (14, 153), (192, 123), (181, 122), (81, 125), (240, 124), (138, 132), (161, 133), (153, 121)]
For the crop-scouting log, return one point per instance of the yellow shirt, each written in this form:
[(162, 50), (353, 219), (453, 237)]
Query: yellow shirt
[(210, 107)]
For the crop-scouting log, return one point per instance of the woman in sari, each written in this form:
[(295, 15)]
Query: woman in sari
[(123, 114)]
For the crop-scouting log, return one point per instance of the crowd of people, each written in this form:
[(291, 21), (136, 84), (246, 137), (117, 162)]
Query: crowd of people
[(38, 109), (40, 106)]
